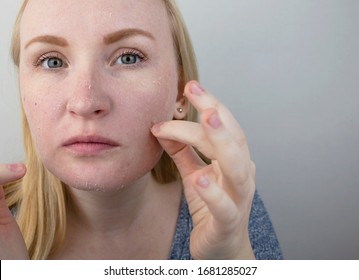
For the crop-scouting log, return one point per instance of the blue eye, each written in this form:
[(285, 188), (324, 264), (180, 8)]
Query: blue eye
[(130, 57), (52, 63)]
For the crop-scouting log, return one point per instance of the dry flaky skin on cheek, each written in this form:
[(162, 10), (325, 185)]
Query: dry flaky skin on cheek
[(92, 94)]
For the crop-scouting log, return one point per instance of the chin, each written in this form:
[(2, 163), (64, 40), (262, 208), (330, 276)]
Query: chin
[(100, 182), (101, 178), (102, 174)]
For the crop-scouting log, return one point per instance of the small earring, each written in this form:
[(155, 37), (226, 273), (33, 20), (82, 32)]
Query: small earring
[(180, 110)]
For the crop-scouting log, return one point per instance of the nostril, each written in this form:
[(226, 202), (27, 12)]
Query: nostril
[(88, 106)]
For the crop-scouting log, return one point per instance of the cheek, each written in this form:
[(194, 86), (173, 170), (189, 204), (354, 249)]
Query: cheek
[(149, 102), (41, 114), (152, 106), (154, 99)]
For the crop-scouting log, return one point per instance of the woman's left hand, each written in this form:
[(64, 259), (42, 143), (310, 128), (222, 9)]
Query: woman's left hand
[(219, 195)]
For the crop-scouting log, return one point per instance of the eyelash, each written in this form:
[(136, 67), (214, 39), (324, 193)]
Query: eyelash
[(47, 56), (140, 56)]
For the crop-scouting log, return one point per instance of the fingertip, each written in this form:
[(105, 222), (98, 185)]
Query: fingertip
[(214, 121), (11, 172), (17, 168), (210, 118), (156, 128), (203, 182), (194, 87)]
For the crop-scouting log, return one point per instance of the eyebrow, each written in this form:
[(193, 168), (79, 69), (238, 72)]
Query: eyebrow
[(107, 39), (49, 39), (125, 33)]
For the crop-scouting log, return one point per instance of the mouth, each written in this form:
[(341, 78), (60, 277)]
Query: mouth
[(89, 145)]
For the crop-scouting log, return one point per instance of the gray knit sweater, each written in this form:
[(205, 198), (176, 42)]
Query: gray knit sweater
[(261, 233)]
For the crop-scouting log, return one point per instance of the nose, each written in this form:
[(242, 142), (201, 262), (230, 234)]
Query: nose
[(88, 99)]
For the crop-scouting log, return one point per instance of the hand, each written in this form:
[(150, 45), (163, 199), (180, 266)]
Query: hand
[(12, 244), (219, 195)]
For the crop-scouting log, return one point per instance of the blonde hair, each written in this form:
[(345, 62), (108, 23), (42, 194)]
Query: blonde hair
[(40, 197)]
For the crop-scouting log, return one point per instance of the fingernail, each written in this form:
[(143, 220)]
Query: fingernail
[(156, 128), (214, 121), (15, 168), (196, 89), (203, 182)]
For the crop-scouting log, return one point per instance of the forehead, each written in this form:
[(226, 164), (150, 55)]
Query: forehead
[(96, 17)]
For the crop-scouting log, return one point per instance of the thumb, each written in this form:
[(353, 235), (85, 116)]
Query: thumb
[(184, 156), (8, 173), (11, 172), (12, 244)]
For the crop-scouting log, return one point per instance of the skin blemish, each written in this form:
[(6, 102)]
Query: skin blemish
[(158, 81)]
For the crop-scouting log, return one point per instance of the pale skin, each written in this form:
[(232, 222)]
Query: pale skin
[(93, 91)]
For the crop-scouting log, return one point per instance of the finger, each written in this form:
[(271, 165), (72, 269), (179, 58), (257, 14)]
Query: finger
[(203, 100), (189, 133), (5, 214), (8, 173), (213, 140), (220, 205), (184, 156), (11, 241), (232, 156), (11, 172)]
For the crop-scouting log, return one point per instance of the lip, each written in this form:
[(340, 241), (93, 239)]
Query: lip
[(88, 145)]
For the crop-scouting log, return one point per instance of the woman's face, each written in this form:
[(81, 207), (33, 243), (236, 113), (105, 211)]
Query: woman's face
[(95, 75)]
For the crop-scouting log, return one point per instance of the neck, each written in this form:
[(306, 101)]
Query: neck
[(113, 210), (136, 222)]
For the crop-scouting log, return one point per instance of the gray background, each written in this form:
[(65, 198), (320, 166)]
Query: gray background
[(289, 72)]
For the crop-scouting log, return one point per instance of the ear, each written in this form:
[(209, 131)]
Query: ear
[(182, 106)]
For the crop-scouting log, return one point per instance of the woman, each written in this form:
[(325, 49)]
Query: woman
[(105, 88)]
